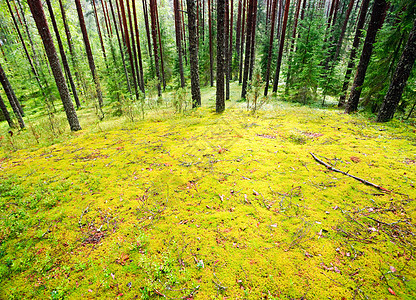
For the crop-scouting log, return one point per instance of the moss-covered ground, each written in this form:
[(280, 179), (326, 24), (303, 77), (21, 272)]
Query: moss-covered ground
[(207, 206)]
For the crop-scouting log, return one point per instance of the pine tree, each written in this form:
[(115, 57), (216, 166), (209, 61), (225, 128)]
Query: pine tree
[(220, 101), (5, 113)]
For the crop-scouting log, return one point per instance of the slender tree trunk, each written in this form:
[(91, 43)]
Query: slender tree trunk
[(292, 44), (63, 55), (42, 25), (127, 41), (120, 46), (230, 47), (6, 113), (353, 54), (184, 34), (146, 23), (400, 77), (105, 17), (99, 30), (248, 48), (282, 43), (253, 40), (120, 20), (269, 54), (238, 31), (193, 53), (14, 103), (139, 51), (376, 21), (220, 102), (343, 29), (133, 49), (155, 50), (211, 56), (178, 40), (89, 53), (240, 77), (226, 50), (162, 65)]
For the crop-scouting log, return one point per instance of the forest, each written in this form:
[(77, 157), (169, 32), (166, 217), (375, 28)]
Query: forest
[(207, 149)]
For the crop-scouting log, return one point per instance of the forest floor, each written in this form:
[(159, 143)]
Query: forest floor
[(206, 206)]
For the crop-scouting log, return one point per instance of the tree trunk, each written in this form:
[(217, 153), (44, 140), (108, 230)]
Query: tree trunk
[(42, 25), (282, 43), (240, 71), (292, 44), (238, 31), (269, 54), (99, 30), (230, 47), (139, 51), (211, 57), (184, 34), (353, 54), (226, 50), (343, 29), (146, 23), (14, 103), (178, 35), (135, 70), (220, 102), (154, 37), (193, 53), (162, 65), (400, 77), (106, 21), (63, 55), (248, 48), (253, 40), (376, 21), (89, 53), (6, 113), (120, 46)]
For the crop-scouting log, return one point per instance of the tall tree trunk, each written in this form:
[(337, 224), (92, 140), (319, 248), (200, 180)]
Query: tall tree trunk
[(376, 21), (282, 43), (162, 65), (353, 54), (193, 53), (63, 55), (220, 102), (14, 103), (5, 112), (253, 40), (127, 42), (211, 56), (292, 44), (154, 37), (99, 30), (240, 68), (89, 53), (146, 23), (400, 77), (106, 21), (343, 29), (135, 69), (139, 50), (230, 47), (120, 46), (238, 31), (42, 25), (178, 39), (226, 50), (269, 54), (184, 34), (248, 48)]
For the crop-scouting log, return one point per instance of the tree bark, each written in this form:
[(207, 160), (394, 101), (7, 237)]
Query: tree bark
[(220, 102), (400, 77), (120, 46), (353, 54), (133, 49), (146, 23), (248, 48), (238, 31), (63, 55), (99, 30), (211, 56), (343, 29), (226, 50), (282, 43), (89, 52), (139, 51), (376, 21), (178, 34), (240, 71), (162, 65), (14, 103), (106, 21), (253, 40), (154, 37), (269, 54), (230, 47), (5, 112), (193, 54), (42, 25)]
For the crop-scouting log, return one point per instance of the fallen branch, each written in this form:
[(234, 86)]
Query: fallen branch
[(329, 167)]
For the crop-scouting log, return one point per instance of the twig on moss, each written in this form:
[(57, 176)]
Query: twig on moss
[(329, 167), (82, 215)]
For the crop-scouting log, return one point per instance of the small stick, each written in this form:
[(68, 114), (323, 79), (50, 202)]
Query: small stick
[(329, 167)]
